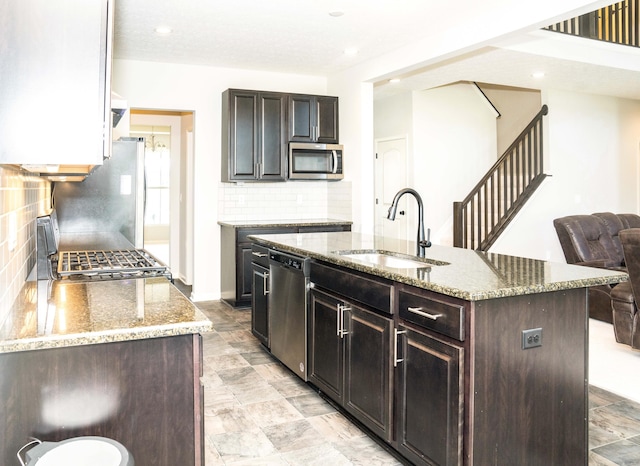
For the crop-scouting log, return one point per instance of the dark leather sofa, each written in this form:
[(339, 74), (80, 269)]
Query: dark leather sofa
[(593, 240), (624, 297)]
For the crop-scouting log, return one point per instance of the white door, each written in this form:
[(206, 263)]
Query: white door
[(391, 177)]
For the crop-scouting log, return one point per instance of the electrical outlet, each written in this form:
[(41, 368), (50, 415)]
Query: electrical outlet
[(531, 338)]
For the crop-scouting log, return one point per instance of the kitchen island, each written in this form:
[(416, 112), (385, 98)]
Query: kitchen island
[(460, 358), (119, 358)]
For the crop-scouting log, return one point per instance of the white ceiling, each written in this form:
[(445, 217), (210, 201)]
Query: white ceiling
[(301, 37)]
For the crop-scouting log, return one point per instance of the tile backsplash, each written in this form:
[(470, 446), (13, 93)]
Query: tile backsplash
[(297, 200), (23, 197)]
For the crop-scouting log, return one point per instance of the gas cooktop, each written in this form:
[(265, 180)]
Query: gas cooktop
[(124, 262)]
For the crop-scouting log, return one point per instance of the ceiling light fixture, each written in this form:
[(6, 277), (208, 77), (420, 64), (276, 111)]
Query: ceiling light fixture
[(538, 74), (163, 30), (336, 13)]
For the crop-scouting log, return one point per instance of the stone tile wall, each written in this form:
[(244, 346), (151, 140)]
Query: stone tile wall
[(23, 197)]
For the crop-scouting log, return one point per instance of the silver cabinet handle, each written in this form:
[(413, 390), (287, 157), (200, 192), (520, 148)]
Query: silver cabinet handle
[(420, 312), (259, 254), (265, 289), (340, 331), (396, 332)]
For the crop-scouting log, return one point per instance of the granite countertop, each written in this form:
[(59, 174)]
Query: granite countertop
[(82, 313), (281, 223), (466, 274)]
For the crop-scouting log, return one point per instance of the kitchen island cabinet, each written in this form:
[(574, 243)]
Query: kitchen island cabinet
[(120, 359), (350, 359), (468, 388), (235, 251)]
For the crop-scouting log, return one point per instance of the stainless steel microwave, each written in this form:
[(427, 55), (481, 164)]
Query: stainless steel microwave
[(313, 161)]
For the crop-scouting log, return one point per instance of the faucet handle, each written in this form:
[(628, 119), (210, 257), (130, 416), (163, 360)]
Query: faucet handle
[(427, 243)]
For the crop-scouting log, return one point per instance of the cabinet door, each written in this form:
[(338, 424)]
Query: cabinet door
[(272, 144), (313, 118), (430, 399), (301, 118), (368, 369), (259, 304), (242, 136), (55, 75), (243, 274), (327, 120), (326, 360)]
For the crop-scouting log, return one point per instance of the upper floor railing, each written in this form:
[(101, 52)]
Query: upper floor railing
[(618, 23)]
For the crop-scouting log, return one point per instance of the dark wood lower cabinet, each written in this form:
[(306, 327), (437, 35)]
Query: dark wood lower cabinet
[(350, 359), (260, 304), (448, 382), (145, 394), (430, 391)]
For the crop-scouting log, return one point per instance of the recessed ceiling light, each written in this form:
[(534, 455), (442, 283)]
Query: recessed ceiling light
[(163, 30), (336, 13), (538, 74), (351, 51), (394, 80)]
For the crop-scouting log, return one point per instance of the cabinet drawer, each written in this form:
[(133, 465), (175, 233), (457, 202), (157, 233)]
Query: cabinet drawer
[(323, 228), (260, 255), (440, 316), (245, 232), (373, 293)]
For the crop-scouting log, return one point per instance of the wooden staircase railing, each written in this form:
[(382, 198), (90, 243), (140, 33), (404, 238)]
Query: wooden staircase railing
[(484, 214), (618, 23)]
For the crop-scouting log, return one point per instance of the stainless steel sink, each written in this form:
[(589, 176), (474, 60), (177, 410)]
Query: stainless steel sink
[(389, 259)]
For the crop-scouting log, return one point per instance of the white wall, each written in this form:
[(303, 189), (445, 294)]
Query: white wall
[(592, 155), (453, 143), (148, 85), (354, 87), (393, 116)]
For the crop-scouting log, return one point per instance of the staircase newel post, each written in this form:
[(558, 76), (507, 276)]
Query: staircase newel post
[(457, 225)]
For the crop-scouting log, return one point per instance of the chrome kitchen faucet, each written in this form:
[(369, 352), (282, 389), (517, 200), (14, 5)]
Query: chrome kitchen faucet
[(422, 242)]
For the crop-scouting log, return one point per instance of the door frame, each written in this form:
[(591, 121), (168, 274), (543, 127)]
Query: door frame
[(379, 179), (179, 191)]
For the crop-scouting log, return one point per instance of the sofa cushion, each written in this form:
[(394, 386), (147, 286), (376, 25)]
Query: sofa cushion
[(613, 223), (585, 238)]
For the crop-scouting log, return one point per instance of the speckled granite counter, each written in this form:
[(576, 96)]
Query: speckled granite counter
[(82, 313), (469, 275), (282, 223)]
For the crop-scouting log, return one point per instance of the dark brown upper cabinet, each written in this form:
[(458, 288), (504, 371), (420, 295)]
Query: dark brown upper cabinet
[(313, 118), (254, 136)]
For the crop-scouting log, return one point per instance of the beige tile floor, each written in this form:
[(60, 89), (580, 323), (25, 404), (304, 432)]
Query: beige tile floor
[(258, 413)]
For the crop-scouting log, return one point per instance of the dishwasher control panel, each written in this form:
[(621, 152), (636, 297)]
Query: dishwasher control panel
[(289, 261)]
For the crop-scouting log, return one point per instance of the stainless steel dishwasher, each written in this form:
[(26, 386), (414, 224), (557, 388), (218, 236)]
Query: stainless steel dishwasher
[(289, 279)]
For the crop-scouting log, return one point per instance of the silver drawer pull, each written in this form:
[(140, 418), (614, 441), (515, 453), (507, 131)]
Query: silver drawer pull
[(259, 254), (420, 312)]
